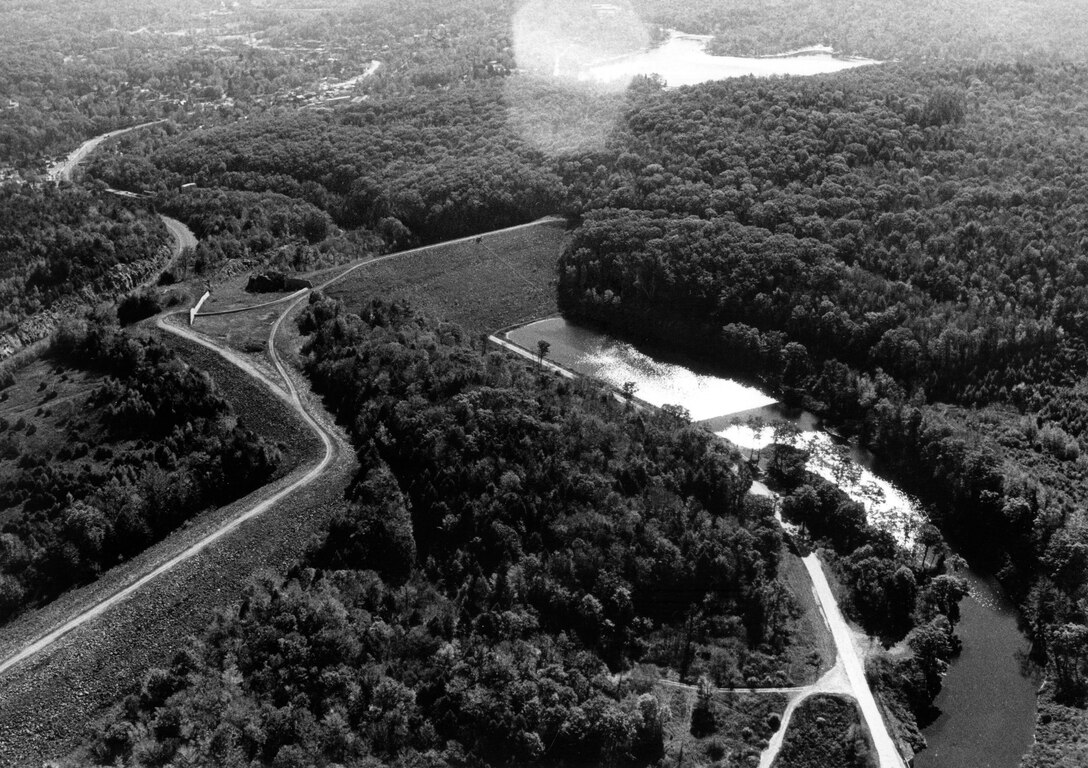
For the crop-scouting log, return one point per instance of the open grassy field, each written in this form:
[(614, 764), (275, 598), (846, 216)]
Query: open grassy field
[(35, 410), (483, 284), (44, 418)]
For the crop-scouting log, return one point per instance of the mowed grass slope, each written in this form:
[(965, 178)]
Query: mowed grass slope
[(482, 284)]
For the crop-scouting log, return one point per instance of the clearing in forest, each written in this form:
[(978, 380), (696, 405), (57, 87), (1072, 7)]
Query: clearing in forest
[(482, 283)]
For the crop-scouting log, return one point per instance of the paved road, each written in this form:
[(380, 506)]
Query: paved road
[(887, 754), (62, 171)]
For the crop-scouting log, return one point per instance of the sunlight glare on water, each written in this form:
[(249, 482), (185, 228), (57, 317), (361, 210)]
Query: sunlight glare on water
[(683, 60), (887, 507), (576, 59), (659, 383)]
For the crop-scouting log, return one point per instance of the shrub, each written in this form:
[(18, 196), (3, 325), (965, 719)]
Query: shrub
[(137, 306)]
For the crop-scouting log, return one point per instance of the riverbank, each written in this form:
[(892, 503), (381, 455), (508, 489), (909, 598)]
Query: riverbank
[(567, 343), (989, 687)]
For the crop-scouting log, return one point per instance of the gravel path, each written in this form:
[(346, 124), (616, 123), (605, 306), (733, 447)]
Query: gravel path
[(846, 677), (291, 397)]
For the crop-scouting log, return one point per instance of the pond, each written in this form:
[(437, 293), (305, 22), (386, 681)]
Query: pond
[(718, 402), (658, 383), (988, 701), (683, 60)]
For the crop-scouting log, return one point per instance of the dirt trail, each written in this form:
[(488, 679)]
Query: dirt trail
[(290, 396), (846, 677), (286, 391), (183, 236)]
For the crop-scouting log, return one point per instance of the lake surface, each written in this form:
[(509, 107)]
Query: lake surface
[(886, 505), (683, 60), (658, 383), (988, 700), (718, 401)]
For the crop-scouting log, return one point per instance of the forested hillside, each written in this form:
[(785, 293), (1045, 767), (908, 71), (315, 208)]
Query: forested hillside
[(151, 444), (890, 249), (60, 244), (965, 30), (408, 169), (511, 541), (899, 248), (512, 544)]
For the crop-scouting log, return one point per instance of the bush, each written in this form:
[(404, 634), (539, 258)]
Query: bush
[(137, 306)]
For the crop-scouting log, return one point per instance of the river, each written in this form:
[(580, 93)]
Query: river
[(987, 706)]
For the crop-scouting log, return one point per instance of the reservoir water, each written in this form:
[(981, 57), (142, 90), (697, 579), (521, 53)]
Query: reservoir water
[(988, 701), (683, 60)]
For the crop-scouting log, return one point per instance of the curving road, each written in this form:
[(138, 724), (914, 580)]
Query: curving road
[(286, 392), (63, 170), (290, 396), (183, 236)]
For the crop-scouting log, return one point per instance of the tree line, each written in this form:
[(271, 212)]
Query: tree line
[(889, 258), (154, 445), (511, 541)]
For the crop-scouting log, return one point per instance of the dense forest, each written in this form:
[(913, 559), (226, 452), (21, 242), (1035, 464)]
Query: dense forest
[(406, 169), (899, 248), (152, 444), (968, 30), (71, 71), (512, 544), (59, 244), (889, 249), (511, 540)]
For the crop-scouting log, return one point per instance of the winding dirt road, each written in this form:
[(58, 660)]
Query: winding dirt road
[(291, 397), (288, 393)]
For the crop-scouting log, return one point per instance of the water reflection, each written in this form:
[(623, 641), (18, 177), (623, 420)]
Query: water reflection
[(656, 382), (715, 400), (887, 507), (683, 60)]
